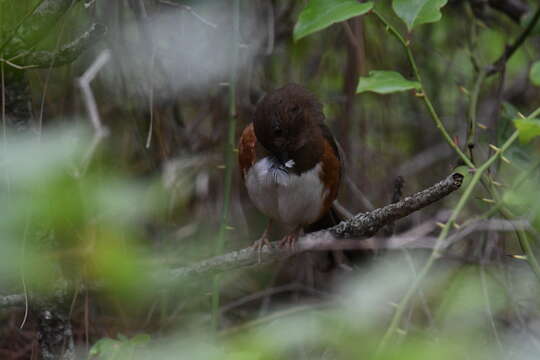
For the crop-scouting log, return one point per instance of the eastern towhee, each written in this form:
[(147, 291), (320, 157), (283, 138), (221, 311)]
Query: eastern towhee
[(290, 162)]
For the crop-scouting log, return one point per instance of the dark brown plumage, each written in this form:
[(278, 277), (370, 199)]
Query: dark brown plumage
[(290, 161)]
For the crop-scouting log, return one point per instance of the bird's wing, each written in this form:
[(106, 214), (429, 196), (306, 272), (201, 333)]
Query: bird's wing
[(327, 134), (246, 149)]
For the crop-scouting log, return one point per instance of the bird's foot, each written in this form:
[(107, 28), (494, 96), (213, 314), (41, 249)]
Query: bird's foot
[(259, 244), (289, 240)]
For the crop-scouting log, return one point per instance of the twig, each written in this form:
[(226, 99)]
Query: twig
[(268, 292), (529, 253), (424, 160), (489, 311), (321, 241), (51, 63), (350, 34), (358, 194), (499, 64), (64, 55), (23, 273), (274, 316), (522, 178), (424, 95), (486, 225), (361, 225), (271, 30), (484, 180), (3, 98), (191, 11), (367, 224), (396, 319), (90, 102), (318, 241), (229, 157), (151, 97), (16, 66), (471, 131)]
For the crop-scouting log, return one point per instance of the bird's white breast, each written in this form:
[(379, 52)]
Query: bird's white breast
[(284, 196)]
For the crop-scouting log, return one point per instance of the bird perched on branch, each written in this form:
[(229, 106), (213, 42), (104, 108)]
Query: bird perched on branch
[(290, 162)]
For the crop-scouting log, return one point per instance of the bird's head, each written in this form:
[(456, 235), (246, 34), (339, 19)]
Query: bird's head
[(286, 123)]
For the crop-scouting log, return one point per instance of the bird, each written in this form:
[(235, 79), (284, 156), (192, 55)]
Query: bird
[(290, 162)]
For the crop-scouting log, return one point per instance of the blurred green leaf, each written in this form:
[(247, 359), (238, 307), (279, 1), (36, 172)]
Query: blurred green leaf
[(319, 14), (104, 347), (30, 162), (385, 82), (123, 348), (528, 128), (416, 12), (534, 75), (504, 127), (116, 262), (74, 225), (140, 339), (518, 151)]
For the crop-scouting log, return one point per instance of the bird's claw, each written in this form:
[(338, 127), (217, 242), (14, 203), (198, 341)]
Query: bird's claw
[(259, 244), (289, 241)]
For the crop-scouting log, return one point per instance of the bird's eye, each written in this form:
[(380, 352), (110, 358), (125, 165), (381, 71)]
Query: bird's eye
[(295, 109), (278, 132)]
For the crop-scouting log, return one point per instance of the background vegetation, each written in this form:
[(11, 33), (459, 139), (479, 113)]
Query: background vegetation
[(118, 177)]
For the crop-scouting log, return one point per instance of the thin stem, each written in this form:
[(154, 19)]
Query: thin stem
[(396, 319), (468, 161), (471, 131), (525, 175), (529, 253), (229, 159), (535, 113), (23, 272), (477, 177), (424, 96), (499, 64), (3, 98)]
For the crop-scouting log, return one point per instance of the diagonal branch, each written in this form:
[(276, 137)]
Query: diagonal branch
[(66, 54), (342, 236), (499, 64), (361, 225), (36, 25)]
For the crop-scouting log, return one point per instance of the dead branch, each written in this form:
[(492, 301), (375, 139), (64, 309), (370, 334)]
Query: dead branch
[(367, 224), (349, 234), (342, 236), (67, 54)]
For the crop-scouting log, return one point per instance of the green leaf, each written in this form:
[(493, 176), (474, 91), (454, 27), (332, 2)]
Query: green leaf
[(319, 14), (528, 129), (504, 127), (416, 12), (385, 82), (534, 75), (140, 339)]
